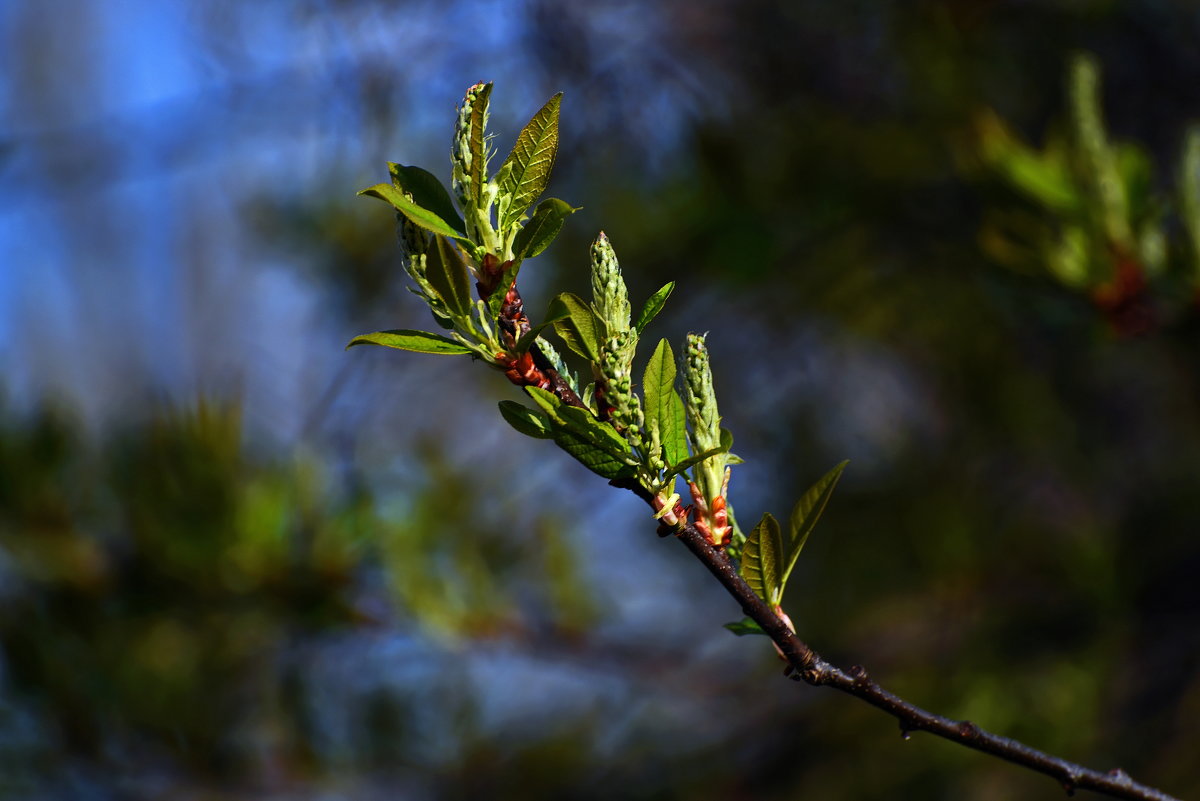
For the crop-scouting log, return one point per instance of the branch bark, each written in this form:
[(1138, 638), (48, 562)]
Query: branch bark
[(807, 665)]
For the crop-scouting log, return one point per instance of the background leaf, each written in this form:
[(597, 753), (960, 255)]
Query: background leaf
[(526, 420), (527, 169), (537, 234), (805, 515), (761, 558), (418, 341), (654, 304)]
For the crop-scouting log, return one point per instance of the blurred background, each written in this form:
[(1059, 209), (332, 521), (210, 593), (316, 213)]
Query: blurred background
[(239, 562)]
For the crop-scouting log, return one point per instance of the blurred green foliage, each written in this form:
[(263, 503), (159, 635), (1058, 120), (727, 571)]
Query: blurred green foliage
[(1014, 539)]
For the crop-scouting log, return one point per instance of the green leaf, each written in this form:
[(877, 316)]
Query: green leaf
[(537, 234), (418, 215), (593, 458), (526, 171), (691, 461), (745, 626), (447, 274), (479, 111), (805, 515), (761, 558), (557, 310), (596, 445), (427, 192), (653, 306), (496, 299), (526, 420), (664, 407), (581, 329), (419, 341)]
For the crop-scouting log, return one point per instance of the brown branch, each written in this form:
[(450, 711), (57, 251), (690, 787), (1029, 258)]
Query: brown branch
[(806, 664)]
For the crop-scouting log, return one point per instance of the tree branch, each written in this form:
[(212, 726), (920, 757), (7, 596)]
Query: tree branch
[(806, 664)]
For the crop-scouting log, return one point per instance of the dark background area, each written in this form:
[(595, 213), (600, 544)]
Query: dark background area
[(238, 562)]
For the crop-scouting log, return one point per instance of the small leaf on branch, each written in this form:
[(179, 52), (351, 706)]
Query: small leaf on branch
[(805, 515), (526, 171), (526, 420), (557, 310), (537, 234), (418, 215), (690, 462), (418, 341), (761, 558), (663, 404), (745, 626), (580, 330), (447, 274), (427, 192), (653, 306)]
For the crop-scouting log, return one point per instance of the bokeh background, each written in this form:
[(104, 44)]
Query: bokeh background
[(239, 562)]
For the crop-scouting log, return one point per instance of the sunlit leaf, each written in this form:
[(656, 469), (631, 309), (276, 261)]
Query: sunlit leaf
[(526, 171), (580, 330), (664, 407), (427, 192), (447, 274), (418, 215), (805, 515), (419, 341), (479, 111), (540, 230), (653, 306), (526, 420), (761, 560), (745, 626)]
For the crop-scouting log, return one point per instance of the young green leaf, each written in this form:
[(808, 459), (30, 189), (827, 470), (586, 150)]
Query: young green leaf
[(761, 558), (526, 171), (526, 420), (447, 274), (537, 234), (427, 192), (496, 299), (595, 444), (556, 311), (419, 341), (598, 460), (580, 330), (653, 306), (418, 215), (479, 111), (691, 461), (581, 422), (745, 626), (664, 407), (805, 515)]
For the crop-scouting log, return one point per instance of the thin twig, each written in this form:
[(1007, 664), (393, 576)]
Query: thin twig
[(810, 667)]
